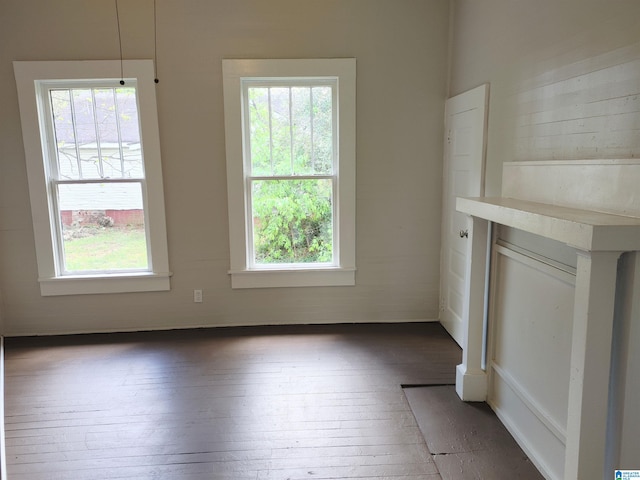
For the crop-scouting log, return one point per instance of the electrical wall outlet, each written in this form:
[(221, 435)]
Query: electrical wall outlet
[(197, 296)]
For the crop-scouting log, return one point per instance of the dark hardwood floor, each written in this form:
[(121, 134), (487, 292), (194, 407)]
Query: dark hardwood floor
[(308, 402)]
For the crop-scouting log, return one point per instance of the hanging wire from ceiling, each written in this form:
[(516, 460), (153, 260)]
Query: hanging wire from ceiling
[(155, 42), (120, 45)]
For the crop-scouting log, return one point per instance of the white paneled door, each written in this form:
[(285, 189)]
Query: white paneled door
[(464, 150)]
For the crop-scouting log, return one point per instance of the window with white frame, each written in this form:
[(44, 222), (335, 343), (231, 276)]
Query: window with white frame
[(290, 137), (95, 181)]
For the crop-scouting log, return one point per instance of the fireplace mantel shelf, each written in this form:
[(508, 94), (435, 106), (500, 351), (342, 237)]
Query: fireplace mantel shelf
[(585, 230)]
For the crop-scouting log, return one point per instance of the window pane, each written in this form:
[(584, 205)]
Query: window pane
[(102, 227), (99, 127), (280, 131), (127, 107), (65, 137), (292, 221), (322, 130), (301, 124), (86, 133), (259, 134), (291, 130), (108, 135)]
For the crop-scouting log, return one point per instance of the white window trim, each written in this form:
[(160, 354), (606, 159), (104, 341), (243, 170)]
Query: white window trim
[(343, 272), (51, 281)]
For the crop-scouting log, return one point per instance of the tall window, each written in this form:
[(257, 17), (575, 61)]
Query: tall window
[(89, 174), (97, 177), (291, 175), (291, 156)]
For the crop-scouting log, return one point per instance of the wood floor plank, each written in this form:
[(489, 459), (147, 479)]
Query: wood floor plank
[(481, 464), (244, 403), (466, 440)]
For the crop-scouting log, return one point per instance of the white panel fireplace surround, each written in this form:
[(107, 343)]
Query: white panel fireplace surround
[(562, 336)]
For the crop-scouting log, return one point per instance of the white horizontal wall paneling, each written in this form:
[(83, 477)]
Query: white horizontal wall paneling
[(588, 109)]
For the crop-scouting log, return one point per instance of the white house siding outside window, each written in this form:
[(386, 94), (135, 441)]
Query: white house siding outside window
[(93, 158), (290, 132)]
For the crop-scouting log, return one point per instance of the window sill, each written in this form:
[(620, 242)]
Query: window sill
[(316, 277), (116, 283)]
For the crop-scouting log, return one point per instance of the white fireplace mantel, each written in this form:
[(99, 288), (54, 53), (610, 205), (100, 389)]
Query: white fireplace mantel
[(598, 239), (586, 230)]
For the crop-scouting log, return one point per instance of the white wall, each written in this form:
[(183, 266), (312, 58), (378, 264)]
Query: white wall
[(401, 50)]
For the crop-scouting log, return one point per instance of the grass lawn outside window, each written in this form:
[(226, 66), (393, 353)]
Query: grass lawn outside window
[(97, 248)]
